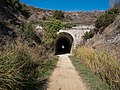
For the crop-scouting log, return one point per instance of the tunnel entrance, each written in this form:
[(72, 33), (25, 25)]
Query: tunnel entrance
[(63, 43)]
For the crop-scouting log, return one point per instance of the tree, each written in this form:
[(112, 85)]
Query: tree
[(107, 18), (51, 30)]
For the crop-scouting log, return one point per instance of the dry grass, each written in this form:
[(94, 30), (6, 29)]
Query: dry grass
[(102, 63), (22, 68), (92, 81)]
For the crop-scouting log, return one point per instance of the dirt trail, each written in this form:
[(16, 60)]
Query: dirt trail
[(65, 77)]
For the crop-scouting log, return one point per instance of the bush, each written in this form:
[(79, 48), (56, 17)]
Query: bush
[(58, 15), (55, 25), (102, 63), (88, 35), (102, 22), (51, 30), (106, 19)]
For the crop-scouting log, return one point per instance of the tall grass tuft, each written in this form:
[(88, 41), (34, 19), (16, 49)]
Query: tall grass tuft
[(102, 63), (20, 69), (17, 70)]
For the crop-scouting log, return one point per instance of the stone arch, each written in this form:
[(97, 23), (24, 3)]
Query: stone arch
[(63, 43)]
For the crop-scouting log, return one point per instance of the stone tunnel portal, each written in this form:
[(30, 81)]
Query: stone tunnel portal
[(63, 43)]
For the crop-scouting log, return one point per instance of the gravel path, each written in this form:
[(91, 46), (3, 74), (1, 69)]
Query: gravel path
[(65, 77)]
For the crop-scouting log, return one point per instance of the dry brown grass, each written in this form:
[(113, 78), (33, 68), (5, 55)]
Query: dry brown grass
[(102, 63), (24, 68)]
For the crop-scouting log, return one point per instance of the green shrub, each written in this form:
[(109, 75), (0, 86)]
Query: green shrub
[(55, 25), (88, 35), (58, 15), (106, 19), (51, 30), (102, 22)]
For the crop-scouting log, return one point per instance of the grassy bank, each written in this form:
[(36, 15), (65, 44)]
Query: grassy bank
[(92, 81), (22, 69), (101, 63)]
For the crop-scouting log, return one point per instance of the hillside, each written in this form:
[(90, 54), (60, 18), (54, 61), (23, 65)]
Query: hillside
[(23, 57), (11, 21), (70, 17), (15, 16), (14, 25), (100, 48), (109, 39), (27, 42)]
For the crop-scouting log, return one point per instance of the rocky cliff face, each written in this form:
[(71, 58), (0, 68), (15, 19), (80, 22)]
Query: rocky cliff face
[(9, 14), (12, 23), (9, 22), (109, 39)]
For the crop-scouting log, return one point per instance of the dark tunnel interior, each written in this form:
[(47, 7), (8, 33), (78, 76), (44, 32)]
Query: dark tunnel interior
[(63, 44)]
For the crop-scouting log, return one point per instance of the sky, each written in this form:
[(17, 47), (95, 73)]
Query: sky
[(69, 5)]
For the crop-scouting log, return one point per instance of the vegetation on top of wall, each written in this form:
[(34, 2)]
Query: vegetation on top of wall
[(88, 35), (68, 25)]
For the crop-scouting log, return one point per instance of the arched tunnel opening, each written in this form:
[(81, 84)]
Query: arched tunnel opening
[(63, 43)]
